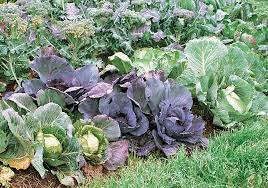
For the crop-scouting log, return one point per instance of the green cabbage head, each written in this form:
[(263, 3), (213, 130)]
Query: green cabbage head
[(52, 146), (93, 143), (89, 143)]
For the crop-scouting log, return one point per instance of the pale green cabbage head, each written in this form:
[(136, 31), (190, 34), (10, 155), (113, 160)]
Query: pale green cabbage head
[(89, 143), (52, 145)]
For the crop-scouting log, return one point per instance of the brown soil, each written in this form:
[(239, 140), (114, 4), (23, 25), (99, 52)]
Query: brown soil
[(210, 129), (93, 171), (31, 179)]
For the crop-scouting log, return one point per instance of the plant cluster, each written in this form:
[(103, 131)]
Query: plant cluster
[(85, 31), (105, 110), (230, 82)]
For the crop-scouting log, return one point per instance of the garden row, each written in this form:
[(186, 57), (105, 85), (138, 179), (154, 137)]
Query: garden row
[(90, 31), (51, 121)]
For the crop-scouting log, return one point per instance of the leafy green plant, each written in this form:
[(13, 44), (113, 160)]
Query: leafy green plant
[(20, 39), (150, 59), (223, 79), (78, 34), (42, 137), (55, 145)]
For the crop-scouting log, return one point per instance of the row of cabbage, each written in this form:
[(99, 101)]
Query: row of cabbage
[(65, 117), (68, 117), (229, 82)]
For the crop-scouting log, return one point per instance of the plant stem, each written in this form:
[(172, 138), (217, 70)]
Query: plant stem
[(10, 63)]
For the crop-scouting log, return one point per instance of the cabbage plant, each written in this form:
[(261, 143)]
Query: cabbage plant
[(226, 79), (56, 147), (42, 137), (93, 142), (169, 103), (16, 135)]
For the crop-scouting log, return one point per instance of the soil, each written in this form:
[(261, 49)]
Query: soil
[(94, 171), (210, 129), (31, 179)]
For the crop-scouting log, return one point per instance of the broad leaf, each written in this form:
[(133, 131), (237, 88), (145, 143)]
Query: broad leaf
[(86, 76), (204, 54), (51, 115), (99, 90), (155, 91), (24, 101), (260, 104), (109, 126), (19, 152), (67, 176), (37, 162), (89, 108), (233, 103), (117, 155), (3, 141), (136, 92), (17, 125), (55, 96), (31, 87), (53, 68), (121, 62)]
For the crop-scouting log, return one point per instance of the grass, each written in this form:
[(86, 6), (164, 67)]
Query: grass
[(233, 159)]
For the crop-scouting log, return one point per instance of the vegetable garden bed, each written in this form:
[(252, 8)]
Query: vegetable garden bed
[(88, 87)]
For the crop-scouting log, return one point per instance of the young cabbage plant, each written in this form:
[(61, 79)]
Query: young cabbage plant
[(42, 137), (56, 147)]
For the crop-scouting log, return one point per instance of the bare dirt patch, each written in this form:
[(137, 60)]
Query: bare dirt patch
[(30, 179)]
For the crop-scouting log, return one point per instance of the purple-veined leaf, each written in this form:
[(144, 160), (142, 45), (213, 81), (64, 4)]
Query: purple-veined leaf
[(118, 154)]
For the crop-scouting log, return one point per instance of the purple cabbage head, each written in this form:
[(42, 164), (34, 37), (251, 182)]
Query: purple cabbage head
[(175, 121), (170, 105), (130, 118)]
